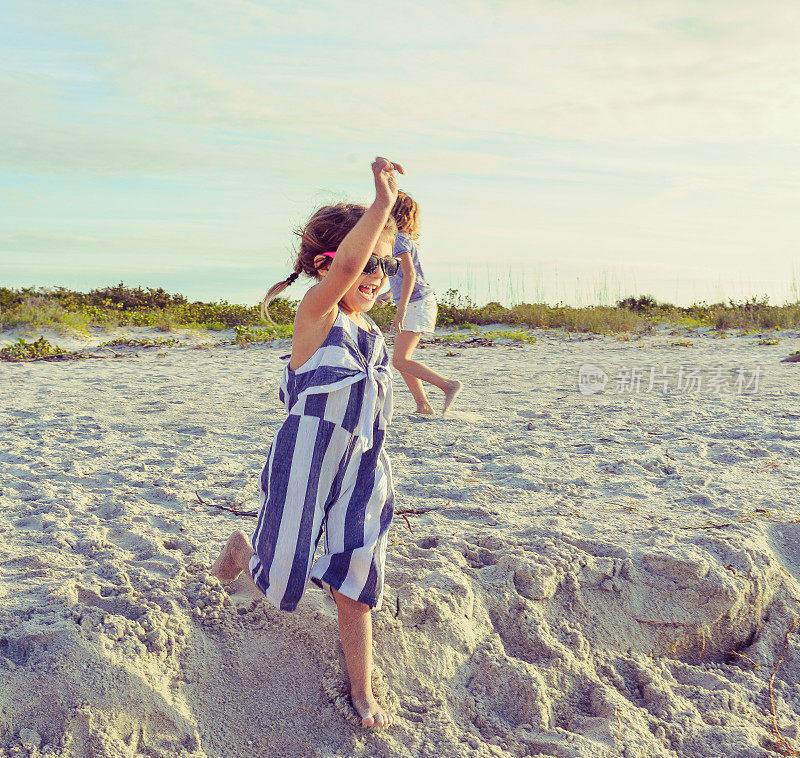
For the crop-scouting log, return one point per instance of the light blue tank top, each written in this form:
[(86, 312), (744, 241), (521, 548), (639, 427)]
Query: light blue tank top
[(404, 244)]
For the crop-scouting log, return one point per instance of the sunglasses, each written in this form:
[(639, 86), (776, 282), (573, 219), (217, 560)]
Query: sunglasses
[(389, 265)]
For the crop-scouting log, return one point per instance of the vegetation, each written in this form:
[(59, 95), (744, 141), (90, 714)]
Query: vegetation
[(126, 342), (629, 315), (30, 351), (125, 306), (66, 310), (246, 335), (749, 315), (482, 335)]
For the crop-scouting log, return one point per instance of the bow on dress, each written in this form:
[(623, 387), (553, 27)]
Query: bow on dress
[(353, 368)]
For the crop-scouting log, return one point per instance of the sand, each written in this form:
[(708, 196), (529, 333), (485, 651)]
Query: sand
[(610, 574)]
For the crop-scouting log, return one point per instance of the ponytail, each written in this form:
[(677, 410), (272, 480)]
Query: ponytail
[(406, 213), (273, 292)]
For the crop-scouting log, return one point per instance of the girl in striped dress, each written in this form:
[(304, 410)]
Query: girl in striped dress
[(327, 466)]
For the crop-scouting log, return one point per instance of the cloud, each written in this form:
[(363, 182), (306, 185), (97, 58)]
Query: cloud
[(243, 88), (561, 127), (579, 71)]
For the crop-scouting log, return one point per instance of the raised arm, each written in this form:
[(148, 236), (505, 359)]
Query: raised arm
[(356, 247)]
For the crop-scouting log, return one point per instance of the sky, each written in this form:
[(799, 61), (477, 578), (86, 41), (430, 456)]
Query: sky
[(570, 151)]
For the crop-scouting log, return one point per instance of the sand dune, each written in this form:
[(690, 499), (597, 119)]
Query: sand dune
[(611, 574)]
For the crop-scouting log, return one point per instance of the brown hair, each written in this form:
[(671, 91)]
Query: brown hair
[(406, 214), (324, 232)]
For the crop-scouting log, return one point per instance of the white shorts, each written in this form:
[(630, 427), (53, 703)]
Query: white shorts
[(421, 315)]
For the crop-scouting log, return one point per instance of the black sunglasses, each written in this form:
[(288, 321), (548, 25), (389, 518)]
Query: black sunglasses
[(389, 264)]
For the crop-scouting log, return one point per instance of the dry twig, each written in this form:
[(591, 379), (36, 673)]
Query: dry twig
[(664, 623), (406, 512), (756, 666), (230, 508), (782, 745), (708, 526)]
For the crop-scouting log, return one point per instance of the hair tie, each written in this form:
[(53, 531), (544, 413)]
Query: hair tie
[(292, 278)]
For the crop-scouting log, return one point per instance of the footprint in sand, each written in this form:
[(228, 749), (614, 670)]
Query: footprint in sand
[(423, 418), (468, 417), (479, 557)]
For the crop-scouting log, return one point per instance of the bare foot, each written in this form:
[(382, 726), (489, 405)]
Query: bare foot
[(371, 712), (450, 395), (233, 559), (424, 410)]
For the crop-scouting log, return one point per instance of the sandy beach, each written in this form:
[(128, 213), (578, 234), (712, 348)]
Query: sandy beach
[(570, 573)]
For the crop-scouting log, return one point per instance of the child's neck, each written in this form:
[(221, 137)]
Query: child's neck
[(356, 316)]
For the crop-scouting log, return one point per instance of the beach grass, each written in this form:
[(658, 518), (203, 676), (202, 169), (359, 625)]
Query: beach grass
[(68, 311)]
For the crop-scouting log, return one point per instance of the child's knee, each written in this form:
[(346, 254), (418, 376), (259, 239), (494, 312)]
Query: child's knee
[(239, 540), (348, 605)]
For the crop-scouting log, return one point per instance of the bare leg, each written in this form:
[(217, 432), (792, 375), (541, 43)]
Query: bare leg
[(234, 558), (404, 346), (450, 395), (418, 392), (355, 631)]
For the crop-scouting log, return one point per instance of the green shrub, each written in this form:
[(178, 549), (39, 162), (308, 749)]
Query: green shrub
[(517, 335), (723, 319), (28, 351), (383, 315), (9, 298), (128, 298), (282, 311), (644, 303), (125, 342), (246, 334)]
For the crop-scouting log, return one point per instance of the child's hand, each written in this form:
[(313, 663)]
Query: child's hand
[(386, 180), (397, 324)]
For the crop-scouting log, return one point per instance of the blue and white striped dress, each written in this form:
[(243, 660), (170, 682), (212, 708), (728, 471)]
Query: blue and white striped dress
[(327, 467)]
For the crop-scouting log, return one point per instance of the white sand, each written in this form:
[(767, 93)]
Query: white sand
[(558, 599)]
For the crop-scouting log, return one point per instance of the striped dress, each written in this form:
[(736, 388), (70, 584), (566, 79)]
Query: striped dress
[(327, 468)]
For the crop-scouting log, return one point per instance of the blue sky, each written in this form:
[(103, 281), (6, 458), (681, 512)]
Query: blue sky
[(570, 150)]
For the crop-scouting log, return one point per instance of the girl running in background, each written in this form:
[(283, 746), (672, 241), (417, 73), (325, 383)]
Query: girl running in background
[(416, 310), (327, 466)]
